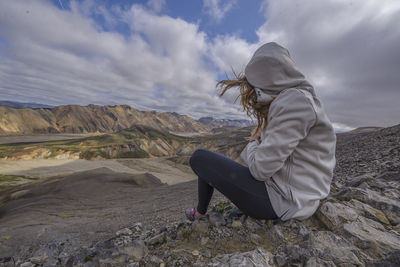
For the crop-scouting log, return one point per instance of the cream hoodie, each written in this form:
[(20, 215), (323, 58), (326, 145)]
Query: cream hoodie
[(296, 156)]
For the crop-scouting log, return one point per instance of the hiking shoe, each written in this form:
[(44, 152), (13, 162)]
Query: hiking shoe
[(190, 214)]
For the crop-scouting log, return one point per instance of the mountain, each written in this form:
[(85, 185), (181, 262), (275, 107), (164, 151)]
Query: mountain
[(216, 123), (12, 104), (91, 118), (357, 132)]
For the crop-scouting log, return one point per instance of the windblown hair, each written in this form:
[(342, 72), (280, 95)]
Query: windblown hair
[(248, 99)]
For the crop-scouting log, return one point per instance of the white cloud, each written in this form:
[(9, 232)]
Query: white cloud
[(218, 8), (340, 128), (156, 5), (347, 49), (63, 57)]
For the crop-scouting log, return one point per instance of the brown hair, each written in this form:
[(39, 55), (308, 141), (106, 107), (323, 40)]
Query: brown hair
[(248, 99)]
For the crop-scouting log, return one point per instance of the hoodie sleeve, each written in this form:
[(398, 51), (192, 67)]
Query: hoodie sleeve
[(289, 121)]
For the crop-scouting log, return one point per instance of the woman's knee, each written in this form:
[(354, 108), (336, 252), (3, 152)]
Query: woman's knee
[(197, 155)]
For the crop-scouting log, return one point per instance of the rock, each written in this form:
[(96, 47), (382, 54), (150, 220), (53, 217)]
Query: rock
[(195, 253), (158, 239), (280, 260), (39, 259), (296, 254), (137, 250), (357, 180), (156, 260), (27, 264), (372, 237), (333, 215), (252, 224), (317, 262), (255, 239), (393, 259), (216, 219), (200, 226), (125, 231), (368, 211), (256, 257), (236, 224), (107, 262), (206, 253), (390, 207), (331, 247), (204, 240), (275, 234)]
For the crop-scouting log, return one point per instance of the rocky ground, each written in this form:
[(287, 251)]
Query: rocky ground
[(357, 225)]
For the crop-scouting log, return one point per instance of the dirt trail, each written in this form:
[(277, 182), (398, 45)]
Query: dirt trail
[(89, 206)]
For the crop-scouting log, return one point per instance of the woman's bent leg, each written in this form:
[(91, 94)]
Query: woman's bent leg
[(205, 192), (234, 181)]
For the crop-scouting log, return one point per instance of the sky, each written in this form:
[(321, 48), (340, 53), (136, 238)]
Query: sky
[(167, 55)]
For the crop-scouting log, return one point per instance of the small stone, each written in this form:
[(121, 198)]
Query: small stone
[(204, 240), (39, 259), (280, 259), (206, 253), (137, 250), (252, 224), (195, 253), (216, 219), (94, 264), (158, 239), (236, 224), (255, 239), (155, 259), (27, 264), (125, 231), (317, 262), (200, 226), (303, 231)]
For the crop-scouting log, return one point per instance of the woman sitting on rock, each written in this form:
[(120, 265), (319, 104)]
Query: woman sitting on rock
[(290, 156)]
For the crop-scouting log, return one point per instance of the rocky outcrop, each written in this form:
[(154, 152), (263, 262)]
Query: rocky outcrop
[(340, 234)]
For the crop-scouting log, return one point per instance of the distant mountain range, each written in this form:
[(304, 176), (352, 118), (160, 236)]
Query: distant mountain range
[(217, 123), (18, 118), (91, 119), (12, 104), (32, 118)]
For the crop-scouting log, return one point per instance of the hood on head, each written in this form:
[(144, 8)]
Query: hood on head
[(272, 70)]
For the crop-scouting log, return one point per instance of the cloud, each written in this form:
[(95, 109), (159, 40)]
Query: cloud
[(156, 5), (340, 128), (63, 57), (218, 8), (349, 51)]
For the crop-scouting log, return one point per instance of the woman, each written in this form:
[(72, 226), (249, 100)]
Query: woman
[(291, 154)]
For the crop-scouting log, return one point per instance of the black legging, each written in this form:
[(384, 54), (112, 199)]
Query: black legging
[(232, 179)]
